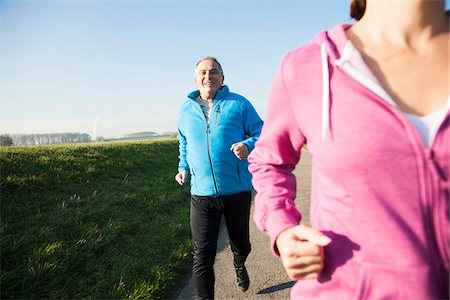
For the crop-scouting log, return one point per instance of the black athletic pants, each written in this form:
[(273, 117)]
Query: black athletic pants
[(206, 213)]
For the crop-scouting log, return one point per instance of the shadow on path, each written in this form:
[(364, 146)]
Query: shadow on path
[(278, 287)]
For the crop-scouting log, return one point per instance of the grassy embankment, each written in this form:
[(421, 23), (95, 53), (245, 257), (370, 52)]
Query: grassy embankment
[(92, 221)]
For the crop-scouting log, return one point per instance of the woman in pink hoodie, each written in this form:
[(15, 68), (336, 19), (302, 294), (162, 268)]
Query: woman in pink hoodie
[(371, 101)]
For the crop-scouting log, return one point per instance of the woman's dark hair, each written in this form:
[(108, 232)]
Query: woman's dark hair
[(357, 9)]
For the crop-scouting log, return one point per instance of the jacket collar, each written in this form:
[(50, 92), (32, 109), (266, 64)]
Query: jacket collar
[(219, 95)]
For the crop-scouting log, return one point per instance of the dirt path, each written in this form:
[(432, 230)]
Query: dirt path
[(268, 279)]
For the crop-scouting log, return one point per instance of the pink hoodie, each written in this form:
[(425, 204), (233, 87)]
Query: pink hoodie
[(377, 192)]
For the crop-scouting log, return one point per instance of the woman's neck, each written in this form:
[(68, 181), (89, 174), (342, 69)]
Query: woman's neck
[(401, 23), (406, 44)]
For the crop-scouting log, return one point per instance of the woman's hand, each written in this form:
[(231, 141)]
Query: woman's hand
[(301, 251)]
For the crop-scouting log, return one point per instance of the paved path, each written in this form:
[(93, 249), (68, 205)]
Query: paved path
[(268, 279)]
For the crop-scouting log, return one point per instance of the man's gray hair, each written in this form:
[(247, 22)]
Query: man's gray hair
[(210, 58)]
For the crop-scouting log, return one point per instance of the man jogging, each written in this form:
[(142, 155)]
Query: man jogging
[(217, 130)]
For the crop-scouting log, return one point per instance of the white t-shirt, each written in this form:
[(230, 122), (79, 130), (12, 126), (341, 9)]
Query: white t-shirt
[(206, 107)]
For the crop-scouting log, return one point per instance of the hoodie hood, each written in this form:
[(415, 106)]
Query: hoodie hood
[(337, 51), (332, 44), (334, 40)]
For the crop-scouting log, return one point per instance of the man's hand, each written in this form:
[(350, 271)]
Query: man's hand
[(180, 177), (240, 150), (301, 251)]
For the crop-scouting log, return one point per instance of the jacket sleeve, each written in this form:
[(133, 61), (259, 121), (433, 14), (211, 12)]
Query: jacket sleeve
[(272, 162), (252, 126), (182, 164)]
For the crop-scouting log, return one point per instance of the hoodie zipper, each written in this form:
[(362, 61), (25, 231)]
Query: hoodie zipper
[(423, 158)]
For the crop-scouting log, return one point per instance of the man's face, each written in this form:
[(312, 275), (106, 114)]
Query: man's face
[(208, 77)]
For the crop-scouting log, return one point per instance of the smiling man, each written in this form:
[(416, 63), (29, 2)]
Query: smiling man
[(217, 130)]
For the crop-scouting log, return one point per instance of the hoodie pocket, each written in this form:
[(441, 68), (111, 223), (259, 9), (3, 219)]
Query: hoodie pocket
[(395, 282)]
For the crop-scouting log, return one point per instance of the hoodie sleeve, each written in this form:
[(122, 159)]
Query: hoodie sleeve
[(272, 162), (252, 125)]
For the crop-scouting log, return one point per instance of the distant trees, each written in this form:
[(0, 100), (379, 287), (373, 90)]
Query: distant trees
[(71, 137), (50, 138), (171, 134), (140, 134), (6, 140)]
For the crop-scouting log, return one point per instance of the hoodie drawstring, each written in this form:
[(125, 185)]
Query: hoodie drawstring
[(325, 90)]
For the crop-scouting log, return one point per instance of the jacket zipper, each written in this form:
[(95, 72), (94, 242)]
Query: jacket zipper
[(209, 150), (239, 173), (210, 160), (217, 114)]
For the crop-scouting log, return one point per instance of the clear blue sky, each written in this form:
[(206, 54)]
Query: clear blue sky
[(110, 67)]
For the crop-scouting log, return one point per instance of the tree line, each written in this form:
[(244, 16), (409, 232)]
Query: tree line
[(43, 139)]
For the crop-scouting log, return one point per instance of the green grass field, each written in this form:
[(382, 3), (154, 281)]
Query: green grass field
[(93, 221)]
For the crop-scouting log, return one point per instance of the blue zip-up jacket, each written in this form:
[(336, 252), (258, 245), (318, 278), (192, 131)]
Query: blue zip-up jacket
[(205, 146)]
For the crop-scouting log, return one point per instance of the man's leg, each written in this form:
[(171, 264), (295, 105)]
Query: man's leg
[(237, 218), (205, 224)]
